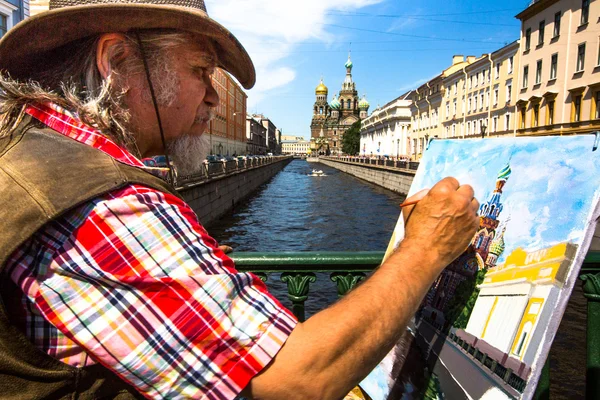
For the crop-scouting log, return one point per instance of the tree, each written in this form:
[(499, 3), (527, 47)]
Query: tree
[(463, 302), (351, 140)]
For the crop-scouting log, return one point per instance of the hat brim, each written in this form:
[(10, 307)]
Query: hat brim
[(28, 46)]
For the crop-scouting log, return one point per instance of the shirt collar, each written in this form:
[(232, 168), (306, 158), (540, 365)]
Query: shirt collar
[(68, 124)]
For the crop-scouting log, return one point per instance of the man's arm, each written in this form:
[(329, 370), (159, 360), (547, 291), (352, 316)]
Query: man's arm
[(330, 353)]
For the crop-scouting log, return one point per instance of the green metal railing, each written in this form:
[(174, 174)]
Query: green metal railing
[(298, 270)]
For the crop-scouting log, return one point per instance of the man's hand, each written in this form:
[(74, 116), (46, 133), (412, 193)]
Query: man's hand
[(443, 223)]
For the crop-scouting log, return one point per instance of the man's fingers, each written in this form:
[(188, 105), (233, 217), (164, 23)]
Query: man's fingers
[(406, 210), (467, 191)]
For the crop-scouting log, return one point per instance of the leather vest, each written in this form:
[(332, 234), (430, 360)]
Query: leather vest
[(43, 174)]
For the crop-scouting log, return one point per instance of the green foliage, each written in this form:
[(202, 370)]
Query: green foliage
[(465, 296), (351, 140), (433, 390)]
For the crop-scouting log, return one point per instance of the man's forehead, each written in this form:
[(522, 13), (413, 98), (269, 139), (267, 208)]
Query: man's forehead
[(202, 49)]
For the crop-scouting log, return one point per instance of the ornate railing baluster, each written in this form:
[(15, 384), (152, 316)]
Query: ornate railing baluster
[(298, 284), (346, 281)]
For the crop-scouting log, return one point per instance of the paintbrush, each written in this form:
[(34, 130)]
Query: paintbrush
[(409, 203)]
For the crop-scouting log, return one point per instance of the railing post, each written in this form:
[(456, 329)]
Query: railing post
[(298, 288), (591, 290), (346, 281)]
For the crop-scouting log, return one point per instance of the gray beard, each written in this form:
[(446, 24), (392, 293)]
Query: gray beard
[(188, 153)]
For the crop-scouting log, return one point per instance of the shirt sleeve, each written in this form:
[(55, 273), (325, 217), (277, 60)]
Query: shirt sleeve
[(146, 292)]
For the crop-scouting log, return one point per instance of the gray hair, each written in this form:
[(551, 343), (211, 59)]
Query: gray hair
[(75, 84)]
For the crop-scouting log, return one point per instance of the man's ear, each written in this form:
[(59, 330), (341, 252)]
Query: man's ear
[(106, 52)]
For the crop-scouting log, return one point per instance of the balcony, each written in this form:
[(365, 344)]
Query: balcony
[(347, 269)]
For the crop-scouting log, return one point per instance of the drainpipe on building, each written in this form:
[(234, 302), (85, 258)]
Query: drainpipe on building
[(465, 94), (428, 113), (489, 122), (517, 80)]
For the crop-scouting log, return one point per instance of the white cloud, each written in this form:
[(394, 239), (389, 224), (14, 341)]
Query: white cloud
[(269, 28)]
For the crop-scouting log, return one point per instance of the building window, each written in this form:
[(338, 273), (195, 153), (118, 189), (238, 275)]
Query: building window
[(495, 124), (3, 24), (527, 39), (447, 109), (510, 64), (469, 128), (585, 11), (481, 99), (454, 105), (523, 114), (507, 121), (455, 87), (550, 112), (508, 92), (538, 72), (553, 66), (580, 57), (576, 107), (496, 96), (535, 121), (469, 105), (475, 105), (556, 24), (498, 70), (541, 31), (597, 105), (525, 76)]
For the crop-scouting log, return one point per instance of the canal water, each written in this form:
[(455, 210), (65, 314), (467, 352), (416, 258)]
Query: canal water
[(298, 212)]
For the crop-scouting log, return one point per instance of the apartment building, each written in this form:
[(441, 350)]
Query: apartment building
[(559, 84), (12, 12), (227, 131), (425, 115), (387, 130), (427, 112), (479, 98)]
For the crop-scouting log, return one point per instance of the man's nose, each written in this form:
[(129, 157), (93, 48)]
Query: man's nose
[(211, 97)]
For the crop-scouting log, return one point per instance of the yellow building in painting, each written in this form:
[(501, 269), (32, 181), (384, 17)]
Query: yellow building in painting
[(517, 300)]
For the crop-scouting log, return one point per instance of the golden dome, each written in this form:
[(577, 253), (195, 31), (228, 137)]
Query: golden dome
[(321, 89)]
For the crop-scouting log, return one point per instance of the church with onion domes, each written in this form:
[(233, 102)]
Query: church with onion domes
[(332, 118)]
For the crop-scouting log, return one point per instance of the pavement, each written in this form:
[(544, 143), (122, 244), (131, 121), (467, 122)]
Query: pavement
[(460, 376)]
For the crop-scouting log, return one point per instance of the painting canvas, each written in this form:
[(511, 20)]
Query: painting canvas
[(486, 325)]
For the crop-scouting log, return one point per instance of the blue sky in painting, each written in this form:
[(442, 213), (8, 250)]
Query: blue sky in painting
[(547, 198)]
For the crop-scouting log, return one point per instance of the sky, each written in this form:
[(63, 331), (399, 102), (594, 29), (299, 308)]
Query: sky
[(396, 45), (548, 196)]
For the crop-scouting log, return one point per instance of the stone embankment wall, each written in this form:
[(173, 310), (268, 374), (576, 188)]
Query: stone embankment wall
[(212, 198), (395, 179)]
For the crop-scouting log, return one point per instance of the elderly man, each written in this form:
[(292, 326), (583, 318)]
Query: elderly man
[(110, 286)]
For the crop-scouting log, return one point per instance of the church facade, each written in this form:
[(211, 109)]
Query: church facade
[(331, 119)]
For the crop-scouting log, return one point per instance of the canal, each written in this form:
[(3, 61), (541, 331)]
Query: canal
[(298, 212)]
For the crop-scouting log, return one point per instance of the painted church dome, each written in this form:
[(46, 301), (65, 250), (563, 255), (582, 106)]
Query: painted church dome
[(348, 63), (335, 103), (321, 89), (363, 104), (504, 172)]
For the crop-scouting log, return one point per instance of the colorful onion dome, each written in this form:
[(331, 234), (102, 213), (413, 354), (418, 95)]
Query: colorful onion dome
[(504, 173), (498, 246), (363, 104), (321, 89), (348, 63), (335, 103)]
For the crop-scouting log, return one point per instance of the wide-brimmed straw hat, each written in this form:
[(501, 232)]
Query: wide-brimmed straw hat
[(36, 41)]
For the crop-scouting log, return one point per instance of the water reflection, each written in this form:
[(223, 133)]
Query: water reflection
[(297, 212)]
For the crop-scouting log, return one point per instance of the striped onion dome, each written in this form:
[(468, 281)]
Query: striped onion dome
[(363, 104), (335, 103), (498, 246), (504, 173), (348, 63)]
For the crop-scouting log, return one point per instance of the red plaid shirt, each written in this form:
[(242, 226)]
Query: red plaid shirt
[(133, 281)]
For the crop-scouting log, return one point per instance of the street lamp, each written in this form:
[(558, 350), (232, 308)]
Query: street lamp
[(483, 128)]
